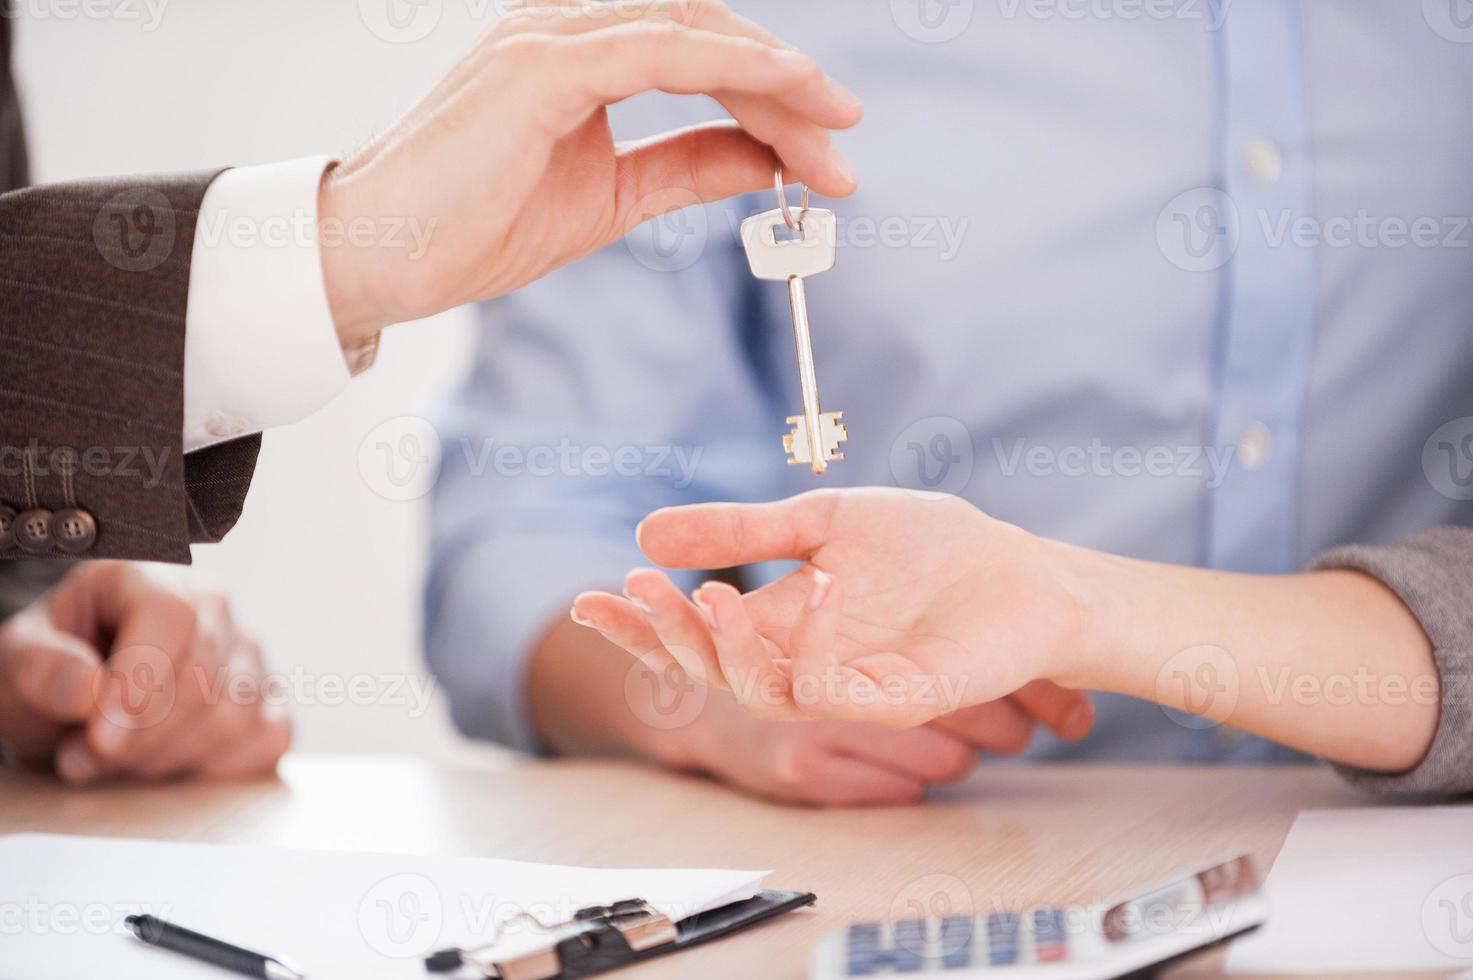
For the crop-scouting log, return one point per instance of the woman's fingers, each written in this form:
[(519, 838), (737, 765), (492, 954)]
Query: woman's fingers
[(625, 625), (721, 535), (812, 640), (865, 685), (997, 726), (852, 782), (679, 624), (1068, 714), (928, 755), (745, 660)]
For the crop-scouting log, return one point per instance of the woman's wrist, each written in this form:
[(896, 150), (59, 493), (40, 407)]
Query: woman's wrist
[(1095, 600), (1331, 663)]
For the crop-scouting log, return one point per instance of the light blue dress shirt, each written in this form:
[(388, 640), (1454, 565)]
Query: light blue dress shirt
[(1187, 282)]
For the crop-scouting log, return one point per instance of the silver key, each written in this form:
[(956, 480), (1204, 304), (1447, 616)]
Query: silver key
[(775, 254)]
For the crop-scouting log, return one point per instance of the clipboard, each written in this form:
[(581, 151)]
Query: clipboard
[(605, 937)]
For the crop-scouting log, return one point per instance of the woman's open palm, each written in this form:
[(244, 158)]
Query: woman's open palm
[(907, 606)]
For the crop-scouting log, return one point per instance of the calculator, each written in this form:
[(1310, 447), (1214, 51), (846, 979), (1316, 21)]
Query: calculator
[(1126, 938)]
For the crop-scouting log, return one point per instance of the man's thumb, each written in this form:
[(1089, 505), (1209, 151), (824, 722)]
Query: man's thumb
[(49, 671)]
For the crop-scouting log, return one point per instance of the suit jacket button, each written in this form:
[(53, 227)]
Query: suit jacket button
[(33, 531), (7, 528), (74, 530)]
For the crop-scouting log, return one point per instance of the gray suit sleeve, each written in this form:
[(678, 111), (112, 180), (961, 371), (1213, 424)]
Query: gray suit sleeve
[(1433, 574)]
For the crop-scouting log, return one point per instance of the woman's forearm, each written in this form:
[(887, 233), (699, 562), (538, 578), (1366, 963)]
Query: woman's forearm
[(1331, 663)]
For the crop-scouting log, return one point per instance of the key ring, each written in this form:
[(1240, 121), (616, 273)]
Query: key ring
[(782, 202)]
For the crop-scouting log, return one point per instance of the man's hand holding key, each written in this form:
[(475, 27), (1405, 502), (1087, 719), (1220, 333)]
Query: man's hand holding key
[(511, 159)]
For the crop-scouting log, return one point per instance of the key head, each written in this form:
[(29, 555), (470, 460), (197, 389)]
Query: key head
[(776, 252), (831, 433)]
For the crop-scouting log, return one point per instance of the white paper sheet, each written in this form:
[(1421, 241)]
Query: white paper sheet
[(332, 914), (1381, 889)]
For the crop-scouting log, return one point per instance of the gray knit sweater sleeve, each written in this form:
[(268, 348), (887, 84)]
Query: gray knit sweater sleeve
[(1433, 575)]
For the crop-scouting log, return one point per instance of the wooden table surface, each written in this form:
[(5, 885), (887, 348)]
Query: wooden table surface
[(1009, 838)]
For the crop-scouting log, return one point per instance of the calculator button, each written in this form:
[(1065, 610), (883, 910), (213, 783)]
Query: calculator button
[(956, 941), (909, 952), (1050, 942), (1048, 920), (863, 950), (1003, 925), (1002, 938)]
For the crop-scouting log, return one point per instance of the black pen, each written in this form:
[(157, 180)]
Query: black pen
[(157, 932)]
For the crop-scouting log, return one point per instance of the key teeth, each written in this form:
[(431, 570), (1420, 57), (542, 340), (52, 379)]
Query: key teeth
[(831, 431)]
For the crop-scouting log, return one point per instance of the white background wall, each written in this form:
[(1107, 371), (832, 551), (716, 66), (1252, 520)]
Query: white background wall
[(324, 570)]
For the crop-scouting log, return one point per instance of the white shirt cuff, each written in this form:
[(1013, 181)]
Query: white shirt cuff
[(260, 347)]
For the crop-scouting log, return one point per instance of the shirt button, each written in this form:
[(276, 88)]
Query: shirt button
[(1255, 446), (224, 426), (1262, 159)]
